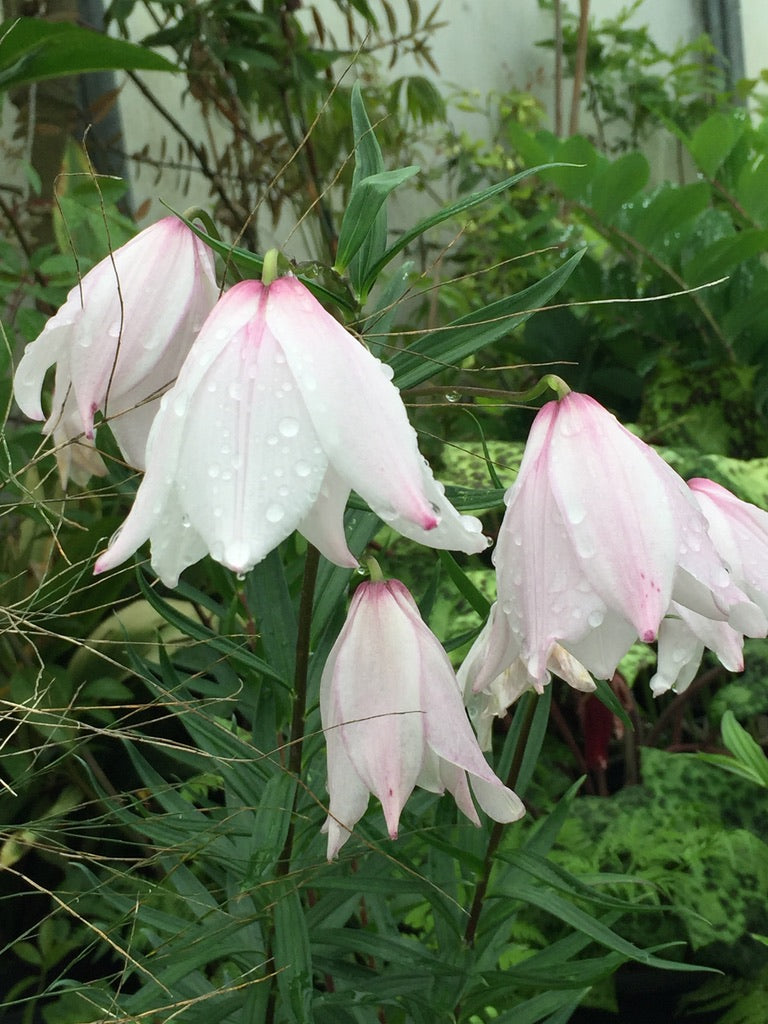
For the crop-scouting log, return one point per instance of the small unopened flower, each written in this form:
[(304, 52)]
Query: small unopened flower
[(393, 719), (600, 536), (117, 341), (739, 532), (277, 414)]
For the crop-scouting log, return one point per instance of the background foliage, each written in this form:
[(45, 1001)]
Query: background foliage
[(160, 858)]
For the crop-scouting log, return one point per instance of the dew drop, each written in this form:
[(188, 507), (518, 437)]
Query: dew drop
[(272, 439), (452, 396), (180, 405), (595, 618), (236, 554), (575, 514), (302, 469), (288, 427), (114, 329), (275, 513), (185, 521), (213, 471), (235, 391), (211, 386)]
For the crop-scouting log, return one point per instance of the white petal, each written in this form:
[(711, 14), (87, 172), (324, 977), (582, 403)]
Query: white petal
[(250, 465), (362, 423), (618, 507), (323, 525)]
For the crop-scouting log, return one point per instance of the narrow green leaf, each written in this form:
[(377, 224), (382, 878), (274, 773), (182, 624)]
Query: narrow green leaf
[(447, 212), (567, 912), (606, 696), (365, 202), (477, 601), (537, 1009), (267, 593), (251, 265), (744, 748), (368, 161), (293, 959), (447, 346), (238, 654), (32, 50)]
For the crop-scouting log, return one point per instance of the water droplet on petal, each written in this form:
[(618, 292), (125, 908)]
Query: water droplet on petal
[(302, 468), (114, 329), (180, 405), (288, 427), (272, 439), (275, 513), (237, 555), (213, 471), (185, 521), (595, 618), (576, 514)]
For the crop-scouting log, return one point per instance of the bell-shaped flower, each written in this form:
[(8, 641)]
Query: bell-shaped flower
[(277, 414), (739, 532), (117, 341), (493, 698), (600, 535), (393, 719)]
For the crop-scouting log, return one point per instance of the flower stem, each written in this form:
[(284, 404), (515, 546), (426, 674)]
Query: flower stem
[(269, 267), (295, 749), (498, 828)]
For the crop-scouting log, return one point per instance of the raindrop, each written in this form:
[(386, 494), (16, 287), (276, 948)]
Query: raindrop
[(180, 405), (185, 521), (283, 491), (237, 554), (361, 571), (576, 514), (302, 469), (288, 427), (272, 439), (275, 513), (436, 511), (211, 386), (240, 576), (114, 330), (595, 618), (235, 391), (213, 471), (452, 396)]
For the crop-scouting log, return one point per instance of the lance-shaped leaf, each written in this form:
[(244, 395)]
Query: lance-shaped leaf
[(365, 202), (32, 50), (450, 344)]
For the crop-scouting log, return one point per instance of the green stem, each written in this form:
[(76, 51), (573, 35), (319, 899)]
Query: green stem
[(295, 749), (269, 267), (498, 828), (301, 671)]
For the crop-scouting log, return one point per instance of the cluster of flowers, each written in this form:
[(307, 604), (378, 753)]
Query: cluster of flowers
[(254, 413)]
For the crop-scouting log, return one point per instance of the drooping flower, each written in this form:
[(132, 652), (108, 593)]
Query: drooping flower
[(498, 693), (739, 532), (117, 341), (277, 414), (393, 719), (599, 537)]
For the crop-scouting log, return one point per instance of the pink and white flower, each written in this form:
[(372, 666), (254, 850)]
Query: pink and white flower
[(739, 532), (117, 341), (277, 414), (393, 719), (599, 538)]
